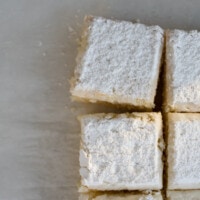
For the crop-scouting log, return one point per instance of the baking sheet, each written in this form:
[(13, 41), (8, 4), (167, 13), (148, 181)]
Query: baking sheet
[(39, 133)]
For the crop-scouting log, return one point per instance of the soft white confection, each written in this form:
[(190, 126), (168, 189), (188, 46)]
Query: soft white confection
[(183, 195), (183, 151), (182, 71), (121, 152), (118, 62), (121, 196)]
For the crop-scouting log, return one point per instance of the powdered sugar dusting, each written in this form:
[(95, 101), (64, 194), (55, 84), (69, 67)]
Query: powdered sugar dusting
[(121, 62), (184, 152), (114, 148), (183, 61)]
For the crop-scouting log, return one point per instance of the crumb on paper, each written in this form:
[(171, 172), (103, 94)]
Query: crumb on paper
[(137, 20), (62, 53), (40, 43), (72, 32), (70, 29), (59, 84)]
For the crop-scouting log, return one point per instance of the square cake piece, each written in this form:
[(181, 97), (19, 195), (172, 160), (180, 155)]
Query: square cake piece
[(183, 195), (121, 196), (182, 71), (183, 151), (118, 62), (121, 151)]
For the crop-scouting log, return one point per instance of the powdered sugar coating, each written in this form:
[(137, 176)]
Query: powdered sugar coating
[(129, 197), (183, 71), (184, 151), (184, 195), (121, 196), (120, 63), (121, 152)]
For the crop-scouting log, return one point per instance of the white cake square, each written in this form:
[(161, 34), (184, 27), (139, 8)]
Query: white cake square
[(183, 195), (121, 151), (121, 196), (182, 71), (118, 62), (183, 151)]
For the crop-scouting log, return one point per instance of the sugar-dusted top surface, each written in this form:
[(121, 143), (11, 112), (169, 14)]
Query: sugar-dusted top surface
[(183, 55), (121, 196), (121, 59), (184, 151), (121, 152), (184, 195), (129, 197)]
